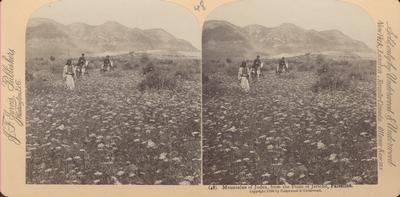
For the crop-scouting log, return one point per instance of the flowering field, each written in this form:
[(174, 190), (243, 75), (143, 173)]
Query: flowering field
[(283, 132), (108, 131)]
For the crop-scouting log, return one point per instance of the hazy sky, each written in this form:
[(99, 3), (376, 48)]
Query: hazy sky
[(309, 14), (144, 14)]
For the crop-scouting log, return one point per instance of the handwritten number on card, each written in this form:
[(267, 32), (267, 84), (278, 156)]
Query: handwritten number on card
[(200, 7)]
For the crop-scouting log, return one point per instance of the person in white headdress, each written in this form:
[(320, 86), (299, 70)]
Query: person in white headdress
[(259, 69), (69, 74), (243, 76), (84, 69)]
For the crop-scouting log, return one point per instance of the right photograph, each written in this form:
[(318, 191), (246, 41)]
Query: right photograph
[(289, 94)]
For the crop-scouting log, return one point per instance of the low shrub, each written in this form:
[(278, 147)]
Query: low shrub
[(38, 86), (113, 74), (128, 66), (148, 68), (331, 77), (211, 87), (231, 70), (186, 70), (303, 67), (28, 76), (332, 81), (338, 75), (145, 58), (289, 75), (160, 78)]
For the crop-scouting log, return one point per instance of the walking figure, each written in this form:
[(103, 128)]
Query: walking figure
[(68, 75), (243, 76), (106, 64), (282, 66), (81, 63), (255, 68)]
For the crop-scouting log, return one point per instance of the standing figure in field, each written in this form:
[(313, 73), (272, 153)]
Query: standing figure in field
[(69, 74), (106, 64), (243, 76), (255, 67), (112, 66), (282, 66), (79, 66), (85, 69), (259, 70), (286, 66)]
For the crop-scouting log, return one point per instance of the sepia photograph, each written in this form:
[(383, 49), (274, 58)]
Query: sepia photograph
[(199, 98), (113, 92), (289, 94)]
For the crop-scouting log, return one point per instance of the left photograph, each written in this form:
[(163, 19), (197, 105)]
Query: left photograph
[(113, 94)]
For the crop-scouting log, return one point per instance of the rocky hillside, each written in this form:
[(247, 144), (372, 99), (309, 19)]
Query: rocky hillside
[(222, 39), (46, 37)]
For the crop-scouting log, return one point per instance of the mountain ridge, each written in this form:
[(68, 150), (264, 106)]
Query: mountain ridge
[(47, 37), (222, 39)]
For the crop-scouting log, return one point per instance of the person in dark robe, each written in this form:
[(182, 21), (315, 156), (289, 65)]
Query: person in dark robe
[(106, 64), (256, 65), (79, 65), (281, 66)]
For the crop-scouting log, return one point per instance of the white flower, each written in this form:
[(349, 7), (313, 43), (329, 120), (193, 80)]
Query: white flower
[(232, 129), (151, 144), (189, 178), (184, 183), (176, 159), (320, 145), (115, 180), (163, 156), (266, 175), (357, 179), (120, 173), (61, 127), (332, 157), (158, 182)]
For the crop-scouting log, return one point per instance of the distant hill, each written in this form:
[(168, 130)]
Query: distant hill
[(46, 37), (222, 39)]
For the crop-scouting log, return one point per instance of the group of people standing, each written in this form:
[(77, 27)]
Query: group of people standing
[(252, 73), (73, 72)]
